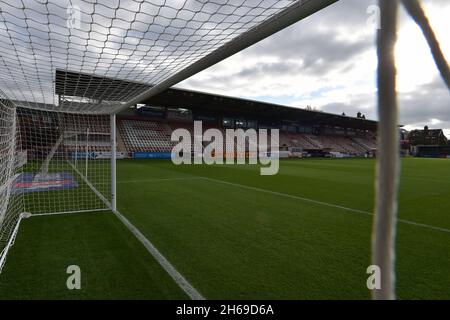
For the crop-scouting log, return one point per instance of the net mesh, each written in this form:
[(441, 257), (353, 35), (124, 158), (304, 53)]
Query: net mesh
[(54, 163), (94, 43), (68, 161), (11, 205), (65, 65)]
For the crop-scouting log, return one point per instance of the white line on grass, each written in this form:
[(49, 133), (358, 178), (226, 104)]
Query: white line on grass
[(167, 266), (159, 179), (68, 212), (417, 224), (90, 185), (324, 204)]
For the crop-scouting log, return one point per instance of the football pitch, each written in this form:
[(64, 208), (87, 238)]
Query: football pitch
[(304, 233)]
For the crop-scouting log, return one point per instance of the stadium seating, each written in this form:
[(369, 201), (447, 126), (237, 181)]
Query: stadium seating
[(140, 135), (145, 136), (154, 136), (333, 143), (80, 123), (289, 139), (368, 143), (95, 126)]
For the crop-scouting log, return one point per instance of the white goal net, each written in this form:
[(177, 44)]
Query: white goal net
[(10, 203), (144, 42), (68, 66), (51, 163), (68, 161)]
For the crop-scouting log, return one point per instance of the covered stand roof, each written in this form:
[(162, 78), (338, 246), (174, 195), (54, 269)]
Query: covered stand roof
[(77, 84), (202, 102), (94, 87)]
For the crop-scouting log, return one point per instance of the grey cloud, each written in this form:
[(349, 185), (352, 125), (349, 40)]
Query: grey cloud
[(360, 103), (305, 47), (431, 101), (281, 68), (320, 49)]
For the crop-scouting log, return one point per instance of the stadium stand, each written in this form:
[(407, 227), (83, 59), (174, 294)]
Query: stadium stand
[(80, 123), (368, 143), (145, 135), (140, 134), (148, 129), (154, 136), (35, 123), (78, 128), (290, 139)]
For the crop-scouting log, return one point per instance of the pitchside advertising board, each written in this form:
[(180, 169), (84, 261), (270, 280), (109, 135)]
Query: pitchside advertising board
[(97, 155), (152, 155), (167, 155)]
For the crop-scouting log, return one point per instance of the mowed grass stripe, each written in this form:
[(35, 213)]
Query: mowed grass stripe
[(238, 243), (114, 265), (179, 279), (295, 164), (235, 242), (321, 203), (232, 244), (158, 179), (422, 225), (423, 202)]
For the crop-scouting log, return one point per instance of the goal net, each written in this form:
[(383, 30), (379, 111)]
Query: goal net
[(10, 203), (51, 162), (68, 66), (67, 161)]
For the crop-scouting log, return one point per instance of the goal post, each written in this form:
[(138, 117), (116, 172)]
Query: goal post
[(113, 162)]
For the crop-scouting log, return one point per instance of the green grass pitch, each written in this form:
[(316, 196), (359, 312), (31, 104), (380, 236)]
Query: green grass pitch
[(302, 234)]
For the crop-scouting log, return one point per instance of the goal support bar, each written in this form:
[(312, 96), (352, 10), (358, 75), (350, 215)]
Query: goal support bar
[(10, 243), (113, 163)]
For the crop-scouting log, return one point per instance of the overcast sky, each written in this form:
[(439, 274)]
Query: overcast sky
[(328, 61)]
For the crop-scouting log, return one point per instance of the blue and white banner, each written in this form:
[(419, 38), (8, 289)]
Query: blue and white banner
[(36, 182), (97, 155), (152, 155)]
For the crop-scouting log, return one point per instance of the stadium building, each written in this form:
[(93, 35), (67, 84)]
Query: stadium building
[(427, 137), (302, 132), (145, 131), (429, 143)]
